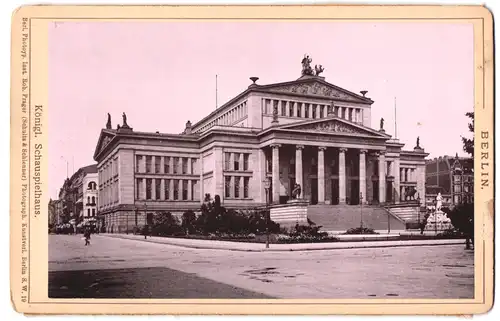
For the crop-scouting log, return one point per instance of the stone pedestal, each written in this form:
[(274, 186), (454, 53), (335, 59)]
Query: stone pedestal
[(438, 221)]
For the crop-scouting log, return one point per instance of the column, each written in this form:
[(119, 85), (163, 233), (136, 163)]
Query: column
[(342, 178), (321, 174), (397, 182), (298, 168), (153, 189), (162, 188), (200, 188), (171, 190), (190, 194), (276, 173), (218, 174), (143, 191), (381, 177), (362, 175)]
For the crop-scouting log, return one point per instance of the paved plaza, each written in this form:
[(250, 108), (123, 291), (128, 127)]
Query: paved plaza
[(114, 267)]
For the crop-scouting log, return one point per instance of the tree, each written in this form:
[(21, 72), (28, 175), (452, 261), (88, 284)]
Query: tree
[(462, 219), (468, 144)]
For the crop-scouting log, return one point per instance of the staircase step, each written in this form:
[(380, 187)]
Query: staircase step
[(344, 217)]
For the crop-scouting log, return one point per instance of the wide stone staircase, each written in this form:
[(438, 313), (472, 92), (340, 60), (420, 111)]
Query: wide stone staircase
[(340, 218), (408, 213)]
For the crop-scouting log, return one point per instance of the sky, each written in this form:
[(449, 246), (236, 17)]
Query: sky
[(162, 74)]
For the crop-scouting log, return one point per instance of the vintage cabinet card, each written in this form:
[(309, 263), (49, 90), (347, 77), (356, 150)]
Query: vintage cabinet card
[(252, 160)]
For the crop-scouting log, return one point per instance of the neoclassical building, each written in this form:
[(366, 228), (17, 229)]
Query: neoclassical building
[(306, 131)]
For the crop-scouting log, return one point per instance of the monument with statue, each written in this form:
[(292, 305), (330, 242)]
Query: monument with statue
[(438, 220)]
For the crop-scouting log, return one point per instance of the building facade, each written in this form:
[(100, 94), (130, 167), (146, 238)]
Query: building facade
[(307, 132), (76, 200), (453, 177)]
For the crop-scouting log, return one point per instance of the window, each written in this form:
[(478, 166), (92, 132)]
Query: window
[(92, 186), (148, 164), (166, 165), (176, 189), (246, 181), (88, 211), (193, 190), (236, 161), (283, 108), (314, 111), (184, 165), (306, 110), (321, 111), (149, 182), (314, 166), (157, 188), (167, 189), (333, 167), (193, 166), (291, 166), (237, 186), (299, 109), (138, 188), (269, 162), (184, 190), (290, 108), (456, 178), (176, 165), (245, 161), (227, 159), (88, 199), (93, 200), (457, 189), (157, 164), (466, 188), (227, 186), (93, 212), (138, 160), (275, 107)]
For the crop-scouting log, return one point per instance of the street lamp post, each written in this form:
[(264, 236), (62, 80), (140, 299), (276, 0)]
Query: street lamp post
[(361, 209), (145, 220), (267, 184)]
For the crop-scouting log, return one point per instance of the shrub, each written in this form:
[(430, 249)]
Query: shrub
[(164, 223), (309, 233), (360, 230), (189, 222)]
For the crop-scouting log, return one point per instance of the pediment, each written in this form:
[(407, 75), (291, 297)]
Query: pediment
[(318, 88), (334, 126), (104, 139)]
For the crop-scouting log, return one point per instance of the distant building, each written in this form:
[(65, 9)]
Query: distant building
[(78, 196), (453, 177), (52, 212)]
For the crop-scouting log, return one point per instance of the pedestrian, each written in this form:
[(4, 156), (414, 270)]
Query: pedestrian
[(86, 234)]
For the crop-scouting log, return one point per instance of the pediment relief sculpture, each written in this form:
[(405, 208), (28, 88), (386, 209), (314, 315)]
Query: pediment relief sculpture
[(315, 89), (330, 127)]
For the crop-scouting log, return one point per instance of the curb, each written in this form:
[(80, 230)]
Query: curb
[(245, 247)]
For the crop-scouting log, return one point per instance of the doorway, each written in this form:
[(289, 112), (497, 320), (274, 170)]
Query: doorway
[(354, 192), (335, 191), (314, 191)]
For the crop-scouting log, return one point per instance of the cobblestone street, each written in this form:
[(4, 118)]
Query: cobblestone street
[(405, 272)]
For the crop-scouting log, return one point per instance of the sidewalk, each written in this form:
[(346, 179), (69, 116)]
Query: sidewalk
[(260, 247)]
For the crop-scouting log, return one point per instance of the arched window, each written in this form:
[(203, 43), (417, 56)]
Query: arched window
[(93, 199), (92, 186), (88, 199)]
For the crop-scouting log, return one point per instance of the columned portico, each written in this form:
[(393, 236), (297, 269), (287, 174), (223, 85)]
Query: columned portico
[(362, 175), (342, 176), (321, 174), (299, 177), (276, 173)]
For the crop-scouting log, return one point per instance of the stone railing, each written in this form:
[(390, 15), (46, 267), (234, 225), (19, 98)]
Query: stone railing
[(291, 213)]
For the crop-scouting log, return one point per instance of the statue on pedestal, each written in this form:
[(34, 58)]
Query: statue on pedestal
[(439, 202), (306, 66), (318, 69), (108, 124), (296, 191), (124, 121), (381, 124), (418, 141)]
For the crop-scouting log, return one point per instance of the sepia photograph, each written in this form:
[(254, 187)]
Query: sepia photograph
[(234, 137), (256, 159)]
